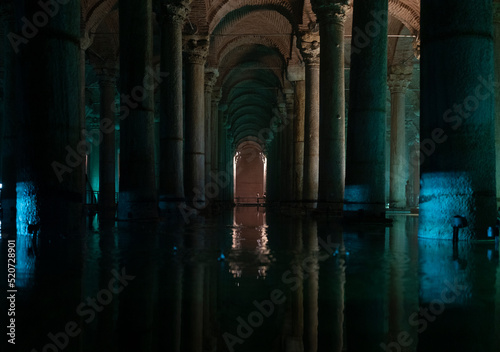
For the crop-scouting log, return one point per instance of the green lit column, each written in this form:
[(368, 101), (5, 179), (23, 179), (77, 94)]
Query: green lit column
[(457, 124), (496, 50)]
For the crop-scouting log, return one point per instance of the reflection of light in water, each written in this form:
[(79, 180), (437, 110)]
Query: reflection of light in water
[(249, 250)]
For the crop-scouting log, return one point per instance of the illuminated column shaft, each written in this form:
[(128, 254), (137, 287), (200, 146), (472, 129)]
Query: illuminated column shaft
[(365, 164), (399, 79), (214, 127), (331, 16), (138, 196), (196, 50), (310, 53), (457, 136), (171, 107)]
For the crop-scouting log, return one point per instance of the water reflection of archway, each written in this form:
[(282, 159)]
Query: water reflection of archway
[(250, 253), (250, 167)]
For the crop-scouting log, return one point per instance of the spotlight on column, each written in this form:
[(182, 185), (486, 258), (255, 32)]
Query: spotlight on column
[(458, 223)]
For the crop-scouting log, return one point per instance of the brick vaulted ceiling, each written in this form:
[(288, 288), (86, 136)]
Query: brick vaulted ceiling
[(252, 42)]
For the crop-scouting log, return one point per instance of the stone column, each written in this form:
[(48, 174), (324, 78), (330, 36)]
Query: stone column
[(9, 125), (457, 119), (214, 127), (365, 163), (107, 84), (289, 143), (211, 75), (93, 157), (50, 150), (138, 198), (173, 15), (399, 78), (298, 140), (496, 50), (196, 51), (331, 16), (310, 48)]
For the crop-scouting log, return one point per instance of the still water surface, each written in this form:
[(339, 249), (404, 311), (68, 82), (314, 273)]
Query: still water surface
[(250, 281)]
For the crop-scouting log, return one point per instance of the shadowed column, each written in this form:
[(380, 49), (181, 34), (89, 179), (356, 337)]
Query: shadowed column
[(138, 198), (171, 108), (310, 53), (331, 16), (107, 205), (9, 124), (211, 75), (457, 119), (298, 140), (50, 150), (365, 164)]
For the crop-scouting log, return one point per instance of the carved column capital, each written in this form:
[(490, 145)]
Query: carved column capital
[(310, 48), (416, 46), (331, 11), (399, 78), (196, 49), (211, 75), (174, 10)]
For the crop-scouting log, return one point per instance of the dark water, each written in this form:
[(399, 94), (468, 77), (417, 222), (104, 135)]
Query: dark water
[(285, 284)]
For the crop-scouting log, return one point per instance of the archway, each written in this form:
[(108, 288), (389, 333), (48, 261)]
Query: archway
[(250, 168)]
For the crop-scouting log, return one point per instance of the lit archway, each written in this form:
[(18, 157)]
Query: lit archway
[(250, 168)]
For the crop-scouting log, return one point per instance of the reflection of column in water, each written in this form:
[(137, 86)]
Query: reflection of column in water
[(311, 271), (138, 300), (192, 304), (107, 262), (294, 342), (497, 307), (210, 329), (170, 291), (399, 269), (331, 292)]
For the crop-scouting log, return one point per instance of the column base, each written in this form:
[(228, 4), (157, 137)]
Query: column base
[(131, 208)]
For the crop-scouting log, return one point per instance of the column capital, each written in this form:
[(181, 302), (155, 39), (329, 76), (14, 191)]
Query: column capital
[(331, 11), (310, 48), (416, 46), (216, 97), (196, 49), (211, 75), (399, 78), (174, 10)]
